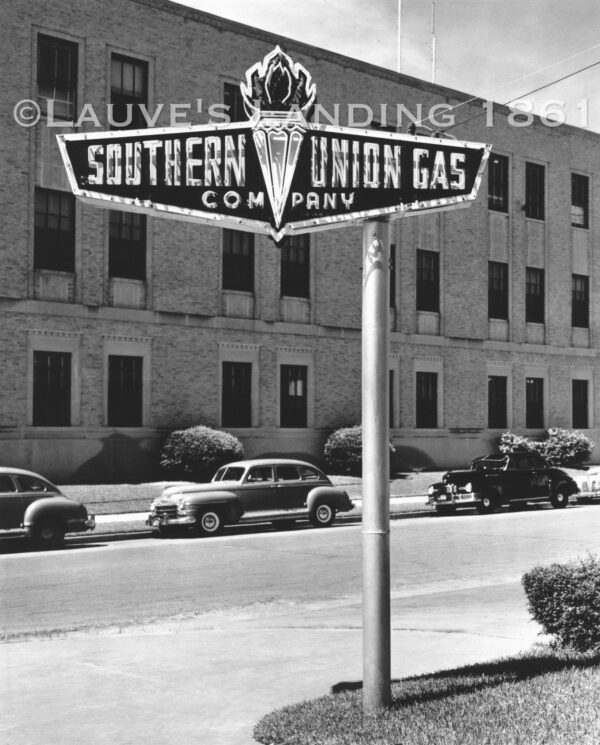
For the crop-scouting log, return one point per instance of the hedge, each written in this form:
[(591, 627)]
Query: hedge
[(197, 452), (565, 600)]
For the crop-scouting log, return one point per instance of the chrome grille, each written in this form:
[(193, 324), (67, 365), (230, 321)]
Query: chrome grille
[(166, 510)]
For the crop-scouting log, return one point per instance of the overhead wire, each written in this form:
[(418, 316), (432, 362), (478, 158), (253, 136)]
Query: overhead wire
[(518, 80)]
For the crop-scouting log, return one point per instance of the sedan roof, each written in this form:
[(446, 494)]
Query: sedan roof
[(22, 472), (270, 462)]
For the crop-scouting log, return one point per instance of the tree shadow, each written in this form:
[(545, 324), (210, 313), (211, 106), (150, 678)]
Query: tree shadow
[(479, 677), (408, 458), (122, 459)]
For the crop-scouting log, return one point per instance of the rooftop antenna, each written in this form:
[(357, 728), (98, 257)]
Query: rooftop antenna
[(433, 41), (399, 61)]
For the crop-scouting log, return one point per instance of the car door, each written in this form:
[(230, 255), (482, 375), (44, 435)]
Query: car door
[(515, 479), (539, 480), (11, 504), (291, 490), (258, 490)]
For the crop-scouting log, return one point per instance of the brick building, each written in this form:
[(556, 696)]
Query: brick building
[(116, 328)]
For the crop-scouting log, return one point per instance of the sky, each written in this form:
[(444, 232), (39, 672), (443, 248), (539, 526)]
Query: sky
[(499, 50)]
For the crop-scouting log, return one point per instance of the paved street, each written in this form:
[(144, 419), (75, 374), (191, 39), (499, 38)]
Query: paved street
[(260, 620)]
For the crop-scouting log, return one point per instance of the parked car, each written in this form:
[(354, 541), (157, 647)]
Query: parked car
[(588, 482), (32, 506), (262, 490), (497, 480)]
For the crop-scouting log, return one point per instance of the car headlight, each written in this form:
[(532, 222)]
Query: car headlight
[(181, 505), (468, 487), (431, 491)]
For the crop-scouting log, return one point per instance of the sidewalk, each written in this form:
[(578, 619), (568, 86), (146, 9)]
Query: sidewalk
[(135, 522), (208, 680)]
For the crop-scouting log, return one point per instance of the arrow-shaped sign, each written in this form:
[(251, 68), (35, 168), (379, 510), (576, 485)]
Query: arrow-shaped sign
[(275, 173)]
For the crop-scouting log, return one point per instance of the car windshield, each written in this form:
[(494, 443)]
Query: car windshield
[(490, 464), (229, 473)]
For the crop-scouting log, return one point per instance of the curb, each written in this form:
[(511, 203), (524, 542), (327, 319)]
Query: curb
[(147, 533)]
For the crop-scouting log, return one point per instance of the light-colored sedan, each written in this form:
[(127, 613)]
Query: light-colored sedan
[(588, 482), (263, 490)]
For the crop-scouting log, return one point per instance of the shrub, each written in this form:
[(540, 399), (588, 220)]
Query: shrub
[(343, 451), (565, 600), (562, 447), (566, 448), (511, 442), (197, 452)]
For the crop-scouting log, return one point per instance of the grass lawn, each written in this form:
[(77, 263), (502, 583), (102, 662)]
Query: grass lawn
[(544, 697), (110, 499)]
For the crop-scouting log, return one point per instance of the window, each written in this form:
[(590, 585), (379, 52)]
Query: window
[(6, 483), (260, 473), (580, 187), (295, 266), (426, 399), (580, 404), (580, 306), (238, 260), (534, 403), (428, 281), (392, 275), (293, 395), (30, 483), (54, 233), (497, 400), (127, 245), (51, 389), (57, 77), (232, 98), (498, 183), (375, 124), (534, 295), (498, 290), (128, 89), (125, 391), (286, 473), (534, 191), (236, 403)]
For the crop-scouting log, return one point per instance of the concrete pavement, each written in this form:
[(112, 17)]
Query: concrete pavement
[(208, 680)]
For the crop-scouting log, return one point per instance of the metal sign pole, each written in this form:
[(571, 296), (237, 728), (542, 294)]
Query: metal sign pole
[(376, 462)]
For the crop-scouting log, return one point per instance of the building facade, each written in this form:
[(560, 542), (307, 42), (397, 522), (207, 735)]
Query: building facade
[(117, 328)]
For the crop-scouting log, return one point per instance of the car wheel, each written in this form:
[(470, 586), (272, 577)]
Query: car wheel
[(209, 523), (487, 505), (322, 515), (559, 500), (48, 534)]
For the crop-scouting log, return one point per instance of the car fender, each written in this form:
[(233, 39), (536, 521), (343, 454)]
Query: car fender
[(565, 484), (225, 501), (338, 498), (58, 508)]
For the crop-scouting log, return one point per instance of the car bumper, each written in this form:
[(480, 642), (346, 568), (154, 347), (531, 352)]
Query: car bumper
[(164, 521), (81, 526), (460, 499), (587, 494)]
